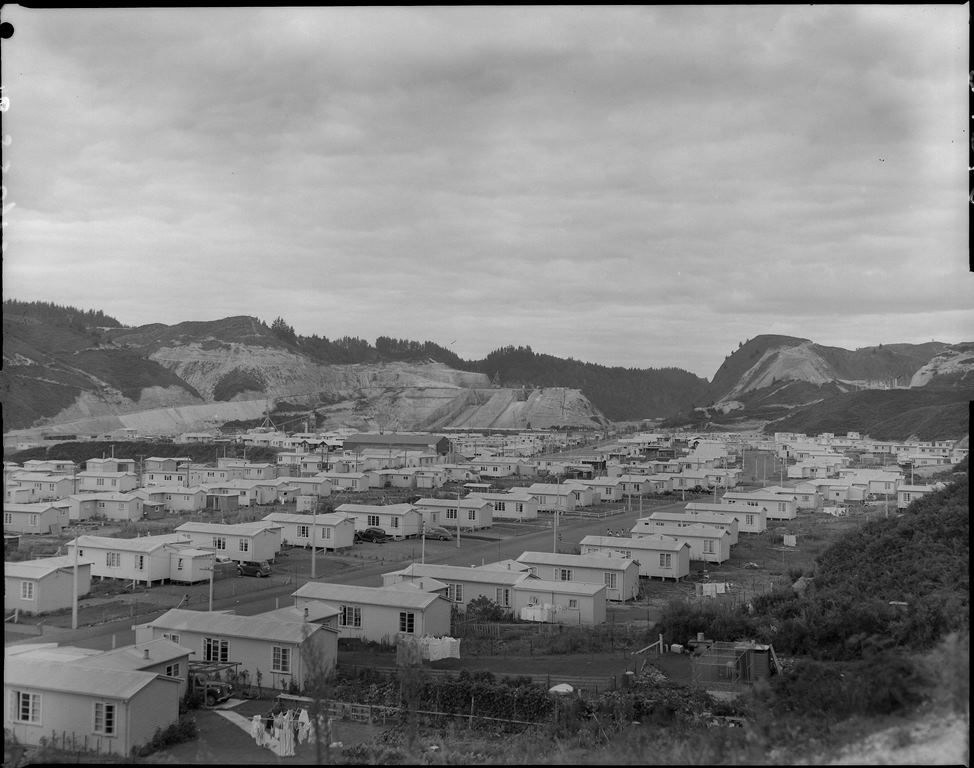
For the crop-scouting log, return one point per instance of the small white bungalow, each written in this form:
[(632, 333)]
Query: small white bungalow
[(332, 531), (347, 481), (560, 602), (723, 520), (463, 583), (118, 482), (313, 485), (907, 494), (619, 575), (379, 614), (607, 488), (776, 507), (706, 542), (45, 584), (145, 559), (551, 497), (260, 540), (514, 505), (472, 512), (280, 649), (40, 517), (661, 557), (749, 520), (397, 520)]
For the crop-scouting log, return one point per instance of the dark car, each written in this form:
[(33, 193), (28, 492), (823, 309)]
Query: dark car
[(214, 691), (253, 568), (377, 535), (436, 532)]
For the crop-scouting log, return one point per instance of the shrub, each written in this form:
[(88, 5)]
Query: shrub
[(184, 729)]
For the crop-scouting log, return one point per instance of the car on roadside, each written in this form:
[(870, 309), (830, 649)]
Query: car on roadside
[(254, 568), (438, 533), (376, 535), (214, 691)]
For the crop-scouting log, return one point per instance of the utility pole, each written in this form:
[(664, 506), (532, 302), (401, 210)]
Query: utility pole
[(314, 528), (422, 556), (74, 590), (458, 517)]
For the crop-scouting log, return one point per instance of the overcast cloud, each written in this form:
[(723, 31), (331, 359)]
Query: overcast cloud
[(638, 186)]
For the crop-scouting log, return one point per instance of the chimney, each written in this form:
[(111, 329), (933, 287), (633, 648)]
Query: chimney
[(145, 654), (305, 613)]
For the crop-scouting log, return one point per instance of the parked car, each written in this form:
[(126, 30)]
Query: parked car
[(253, 568), (377, 535), (214, 691), (436, 532)]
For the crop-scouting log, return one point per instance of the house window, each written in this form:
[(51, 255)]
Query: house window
[(373, 520), (99, 481), (407, 622), (140, 562), (518, 508), (326, 533), (104, 718), (665, 560), (172, 670), (179, 564), (708, 546), (503, 597), (281, 660), (350, 616), (220, 542), (572, 603), (26, 707), (454, 593), (749, 519), (27, 590), (451, 514), (610, 579), (302, 531), (8, 518), (395, 522), (216, 650), (498, 506), (472, 515), (33, 520), (113, 559), (172, 637), (752, 503), (563, 574), (244, 545), (781, 506), (101, 505)]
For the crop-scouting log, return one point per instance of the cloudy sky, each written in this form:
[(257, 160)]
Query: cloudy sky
[(638, 186)]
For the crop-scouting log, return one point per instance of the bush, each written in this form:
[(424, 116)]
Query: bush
[(184, 729)]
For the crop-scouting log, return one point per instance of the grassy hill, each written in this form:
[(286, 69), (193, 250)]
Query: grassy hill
[(894, 414)]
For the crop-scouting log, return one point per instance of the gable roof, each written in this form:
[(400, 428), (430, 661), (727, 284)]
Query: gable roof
[(44, 566), (679, 530), (134, 656), (463, 573), (651, 541), (72, 677), (375, 509), (562, 587), (379, 596), (325, 518), (602, 562), (218, 623), (138, 544), (239, 529)]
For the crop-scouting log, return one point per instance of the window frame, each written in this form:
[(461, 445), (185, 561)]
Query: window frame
[(222, 647), (407, 622), (34, 703), (27, 586), (108, 717), (281, 660)]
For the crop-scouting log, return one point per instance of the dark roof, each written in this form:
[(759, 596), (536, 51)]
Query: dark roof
[(396, 438)]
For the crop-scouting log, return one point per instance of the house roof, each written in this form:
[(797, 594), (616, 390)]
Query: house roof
[(38, 569), (382, 596), (699, 516), (292, 613), (325, 518), (602, 562), (374, 509), (424, 583), (218, 623), (34, 508), (238, 529), (160, 651), (561, 587), (461, 573), (72, 677), (655, 542), (138, 544), (679, 530), (505, 565), (466, 501)]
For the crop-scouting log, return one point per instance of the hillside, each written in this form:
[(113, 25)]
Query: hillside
[(896, 414)]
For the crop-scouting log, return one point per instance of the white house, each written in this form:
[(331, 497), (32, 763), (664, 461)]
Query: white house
[(397, 520), (659, 556), (619, 575), (749, 519), (551, 497), (43, 486), (144, 559), (472, 512), (722, 520), (45, 584), (706, 542), (514, 505), (280, 649), (775, 506), (463, 583), (907, 494), (333, 530), (107, 713), (607, 488), (110, 506), (40, 517), (347, 481), (119, 482), (560, 602), (256, 541), (379, 614)]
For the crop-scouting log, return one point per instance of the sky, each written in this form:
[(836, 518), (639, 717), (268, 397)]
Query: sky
[(644, 186)]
